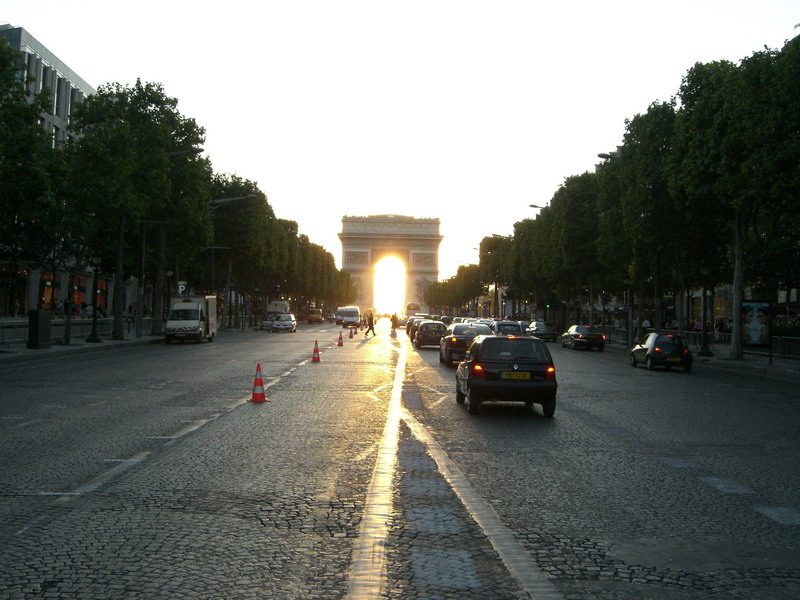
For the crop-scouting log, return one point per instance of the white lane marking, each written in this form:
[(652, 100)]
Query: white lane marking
[(514, 556), (726, 486), (779, 514), (31, 523), (368, 567), (104, 477)]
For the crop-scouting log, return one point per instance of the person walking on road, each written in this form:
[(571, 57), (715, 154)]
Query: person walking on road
[(370, 325)]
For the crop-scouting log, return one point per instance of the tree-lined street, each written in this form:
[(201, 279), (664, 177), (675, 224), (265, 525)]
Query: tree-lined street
[(147, 473)]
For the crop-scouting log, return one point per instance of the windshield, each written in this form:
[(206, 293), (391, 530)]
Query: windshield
[(349, 313), (184, 314)]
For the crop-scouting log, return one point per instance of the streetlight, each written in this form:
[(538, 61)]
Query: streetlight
[(628, 281), (704, 349), (140, 285), (160, 279), (94, 337), (215, 204)]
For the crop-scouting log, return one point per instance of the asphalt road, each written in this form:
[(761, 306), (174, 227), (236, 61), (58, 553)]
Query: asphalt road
[(146, 473)]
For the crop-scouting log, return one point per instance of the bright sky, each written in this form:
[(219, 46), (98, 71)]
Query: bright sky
[(462, 110)]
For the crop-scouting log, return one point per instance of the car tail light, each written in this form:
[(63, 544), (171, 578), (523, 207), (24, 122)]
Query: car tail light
[(551, 373), (580, 336), (604, 336), (657, 349), (686, 351), (477, 371)]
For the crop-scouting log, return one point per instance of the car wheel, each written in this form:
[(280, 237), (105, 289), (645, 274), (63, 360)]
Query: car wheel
[(472, 403), (459, 395), (649, 363), (549, 407), (687, 368), (601, 348), (448, 360), (633, 360), (563, 343), (572, 345)]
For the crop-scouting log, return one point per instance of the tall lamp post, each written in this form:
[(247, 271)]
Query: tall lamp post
[(628, 281), (704, 349), (215, 204), (94, 337)]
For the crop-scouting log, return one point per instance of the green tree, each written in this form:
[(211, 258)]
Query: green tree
[(25, 157)]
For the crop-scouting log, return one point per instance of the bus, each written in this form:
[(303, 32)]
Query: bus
[(412, 308)]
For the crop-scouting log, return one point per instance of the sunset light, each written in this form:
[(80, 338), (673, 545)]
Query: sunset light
[(390, 285)]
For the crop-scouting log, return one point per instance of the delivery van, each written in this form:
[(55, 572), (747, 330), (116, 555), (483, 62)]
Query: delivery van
[(348, 316), (191, 318)]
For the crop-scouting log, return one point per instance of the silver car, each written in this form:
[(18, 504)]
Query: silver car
[(281, 322)]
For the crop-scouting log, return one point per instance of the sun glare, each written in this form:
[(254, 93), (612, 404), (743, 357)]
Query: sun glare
[(390, 285)]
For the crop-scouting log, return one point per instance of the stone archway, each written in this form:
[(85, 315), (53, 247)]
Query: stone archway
[(366, 240)]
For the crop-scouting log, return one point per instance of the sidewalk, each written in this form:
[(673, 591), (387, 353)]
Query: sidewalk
[(751, 363), (20, 353)]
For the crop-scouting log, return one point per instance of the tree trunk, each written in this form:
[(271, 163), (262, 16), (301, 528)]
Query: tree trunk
[(737, 351)]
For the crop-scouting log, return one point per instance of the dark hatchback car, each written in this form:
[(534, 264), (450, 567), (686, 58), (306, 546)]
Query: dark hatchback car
[(507, 368), (542, 330), (662, 350), (455, 340), (429, 333), (583, 336)]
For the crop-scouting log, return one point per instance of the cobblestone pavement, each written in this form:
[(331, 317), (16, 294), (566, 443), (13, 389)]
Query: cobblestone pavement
[(644, 485)]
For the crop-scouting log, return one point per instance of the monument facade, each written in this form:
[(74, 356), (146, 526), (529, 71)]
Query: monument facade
[(366, 240)]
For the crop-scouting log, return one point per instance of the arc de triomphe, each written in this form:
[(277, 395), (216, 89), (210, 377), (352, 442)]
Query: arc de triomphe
[(366, 240)]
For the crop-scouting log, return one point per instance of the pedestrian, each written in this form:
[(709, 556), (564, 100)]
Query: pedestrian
[(370, 325), (395, 321)]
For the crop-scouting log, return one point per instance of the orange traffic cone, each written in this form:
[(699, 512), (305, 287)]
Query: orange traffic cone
[(341, 341), (315, 357), (258, 387), (351, 333)]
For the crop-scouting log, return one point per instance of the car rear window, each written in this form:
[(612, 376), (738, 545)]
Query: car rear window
[(432, 327), (471, 330), (513, 349), (508, 328), (670, 340)]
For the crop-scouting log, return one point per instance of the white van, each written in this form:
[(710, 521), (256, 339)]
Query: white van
[(348, 316)]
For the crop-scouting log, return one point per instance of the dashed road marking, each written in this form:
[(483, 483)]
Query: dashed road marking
[(779, 514), (726, 486)]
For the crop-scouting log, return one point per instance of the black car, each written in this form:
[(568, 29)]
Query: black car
[(455, 340), (583, 336), (411, 321), (542, 330), (662, 350), (428, 334), (507, 368)]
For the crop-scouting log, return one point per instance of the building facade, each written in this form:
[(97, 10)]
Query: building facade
[(23, 288)]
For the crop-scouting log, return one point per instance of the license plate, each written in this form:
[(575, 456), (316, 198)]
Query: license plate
[(514, 375), (673, 360)]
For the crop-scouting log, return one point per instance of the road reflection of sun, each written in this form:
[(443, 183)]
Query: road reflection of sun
[(390, 285)]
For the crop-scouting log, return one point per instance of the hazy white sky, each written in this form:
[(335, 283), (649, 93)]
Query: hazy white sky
[(462, 110)]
